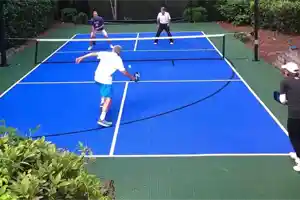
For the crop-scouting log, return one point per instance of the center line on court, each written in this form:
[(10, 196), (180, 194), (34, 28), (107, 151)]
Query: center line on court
[(116, 132), (136, 41)]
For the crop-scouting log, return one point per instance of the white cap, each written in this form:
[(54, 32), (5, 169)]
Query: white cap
[(291, 67)]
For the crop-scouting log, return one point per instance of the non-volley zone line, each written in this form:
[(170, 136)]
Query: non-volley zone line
[(146, 81), (191, 155), (142, 50)]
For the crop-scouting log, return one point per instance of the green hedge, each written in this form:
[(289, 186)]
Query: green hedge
[(81, 18), (28, 18), (235, 11), (196, 14), (281, 15), (37, 170), (68, 14)]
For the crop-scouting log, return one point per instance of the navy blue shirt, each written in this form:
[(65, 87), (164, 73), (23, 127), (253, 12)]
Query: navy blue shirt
[(98, 23)]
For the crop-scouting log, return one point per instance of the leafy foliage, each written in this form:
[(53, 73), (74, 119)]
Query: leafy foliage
[(237, 12), (37, 170), (81, 18), (281, 15), (68, 14), (196, 14), (27, 18)]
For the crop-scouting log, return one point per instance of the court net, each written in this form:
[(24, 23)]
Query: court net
[(135, 49)]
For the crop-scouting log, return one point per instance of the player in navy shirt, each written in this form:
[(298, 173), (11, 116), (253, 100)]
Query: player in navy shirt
[(97, 26)]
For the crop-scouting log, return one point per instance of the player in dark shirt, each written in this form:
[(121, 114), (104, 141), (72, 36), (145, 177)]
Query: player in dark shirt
[(97, 23), (290, 96)]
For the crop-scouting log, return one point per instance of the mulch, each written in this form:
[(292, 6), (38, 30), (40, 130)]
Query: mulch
[(272, 45)]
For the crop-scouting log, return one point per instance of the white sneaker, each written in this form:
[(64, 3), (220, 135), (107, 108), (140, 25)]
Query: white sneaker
[(104, 123), (293, 155), (90, 48), (111, 46), (171, 43), (155, 42), (297, 168)]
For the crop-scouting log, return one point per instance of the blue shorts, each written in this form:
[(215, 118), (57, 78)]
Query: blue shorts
[(105, 90)]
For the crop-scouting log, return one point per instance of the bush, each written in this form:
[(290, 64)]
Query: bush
[(280, 15), (244, 37), (68, 14), (237, 12), (81, 18), (27, 18), (36, 169), (196, 14)]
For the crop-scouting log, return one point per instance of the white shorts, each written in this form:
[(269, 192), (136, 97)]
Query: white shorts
[(104, 33)]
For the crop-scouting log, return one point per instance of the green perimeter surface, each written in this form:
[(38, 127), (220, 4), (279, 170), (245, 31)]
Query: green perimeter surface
[(189, 178)]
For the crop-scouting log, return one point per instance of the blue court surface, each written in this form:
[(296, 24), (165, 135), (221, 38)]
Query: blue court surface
[(181, 107)]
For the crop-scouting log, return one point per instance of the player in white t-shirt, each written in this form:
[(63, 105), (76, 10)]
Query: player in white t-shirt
[(109, 63)]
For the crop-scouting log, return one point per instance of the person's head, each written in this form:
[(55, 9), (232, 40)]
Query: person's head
[(162, 10), (95, 13), (117, 49), (290, 69)]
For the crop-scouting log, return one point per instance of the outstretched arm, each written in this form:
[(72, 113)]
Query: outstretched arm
[(79, 59), (125, 73)]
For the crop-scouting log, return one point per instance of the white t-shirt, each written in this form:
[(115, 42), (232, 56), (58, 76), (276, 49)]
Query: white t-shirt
[(164, 19), (109, 63)]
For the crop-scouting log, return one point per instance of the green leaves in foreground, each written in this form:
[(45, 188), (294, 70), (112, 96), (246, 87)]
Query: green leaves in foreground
[(36, 169)]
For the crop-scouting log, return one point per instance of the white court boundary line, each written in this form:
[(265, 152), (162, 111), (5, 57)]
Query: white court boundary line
[(116, 132), (249, 88), (141, 32), (13, 85), (149, 81), (189, 155), (142, 50), (136, 41)]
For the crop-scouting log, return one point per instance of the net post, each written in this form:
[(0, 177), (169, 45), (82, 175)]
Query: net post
[(256, 27), (36, 51), (223, 46), (2, 36)]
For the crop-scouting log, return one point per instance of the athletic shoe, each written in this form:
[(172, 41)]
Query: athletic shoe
[(297, 168), (90, 48), (111, 46), (171, 43), (104, 123), (155, 42)]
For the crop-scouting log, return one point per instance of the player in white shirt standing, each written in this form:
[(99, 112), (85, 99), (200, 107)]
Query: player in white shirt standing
[(109, 63), (163, 23)]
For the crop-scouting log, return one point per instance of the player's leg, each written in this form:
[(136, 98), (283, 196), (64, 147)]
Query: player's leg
[(293, 127), (159, 30), (92, 43), (104, 33), (167, 29), (106, 93)]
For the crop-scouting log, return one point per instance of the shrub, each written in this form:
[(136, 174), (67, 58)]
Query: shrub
[(244, 37), (280, 15), (237, 12), (196, 14), (27, 18), (36, 169), (81, 18), (68, 14)]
